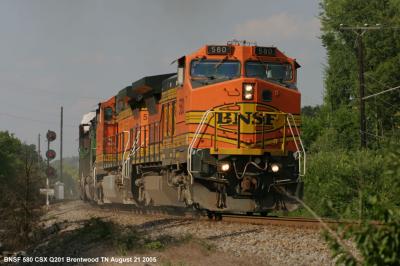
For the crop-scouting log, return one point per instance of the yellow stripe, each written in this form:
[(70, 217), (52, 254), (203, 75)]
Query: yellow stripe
[(246, 146)]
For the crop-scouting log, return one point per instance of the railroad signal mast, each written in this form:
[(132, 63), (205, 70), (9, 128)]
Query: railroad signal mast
[(50, 155)]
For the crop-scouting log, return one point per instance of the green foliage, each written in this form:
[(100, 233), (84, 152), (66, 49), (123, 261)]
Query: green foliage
[(343, 181), (377, 244), (10, 159), (382, 55), (311, 123), (20, 179), (338, 180), (325, 131), (154, 245)]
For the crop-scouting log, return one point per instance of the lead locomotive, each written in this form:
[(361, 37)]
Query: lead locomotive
[(221, 134)]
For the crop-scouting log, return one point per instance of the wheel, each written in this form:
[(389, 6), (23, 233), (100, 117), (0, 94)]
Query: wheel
[(210, 215), (218, 217)]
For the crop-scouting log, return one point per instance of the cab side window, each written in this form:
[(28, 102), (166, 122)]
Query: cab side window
[(108, 114)]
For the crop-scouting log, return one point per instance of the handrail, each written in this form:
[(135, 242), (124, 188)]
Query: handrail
[(193, 142), (291, 124), (124, 162), (299, 146), (134, 149)]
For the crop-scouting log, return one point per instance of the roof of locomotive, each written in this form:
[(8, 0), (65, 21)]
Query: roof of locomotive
[(146, 86), (240, 50)]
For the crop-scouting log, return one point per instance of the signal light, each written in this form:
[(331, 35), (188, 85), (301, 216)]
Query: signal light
[(50, 154), (51, 135), (50, 172)]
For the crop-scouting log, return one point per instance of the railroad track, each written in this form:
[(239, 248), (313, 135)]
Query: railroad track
[(180, 213), (280, 221)]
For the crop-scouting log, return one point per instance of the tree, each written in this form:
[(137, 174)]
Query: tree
[(20, 179), (382, 56)]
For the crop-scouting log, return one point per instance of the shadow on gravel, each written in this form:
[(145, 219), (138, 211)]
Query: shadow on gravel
[(97, 233), (232, 234), (163, 223)]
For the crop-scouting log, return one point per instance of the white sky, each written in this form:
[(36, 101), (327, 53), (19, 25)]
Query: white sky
[(77, 53)]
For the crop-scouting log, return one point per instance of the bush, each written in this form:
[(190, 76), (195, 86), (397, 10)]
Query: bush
[(21, 177), (377, 245), (339, 183)]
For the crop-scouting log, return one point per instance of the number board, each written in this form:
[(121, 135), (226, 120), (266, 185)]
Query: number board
[(266, 51), (218, 49)]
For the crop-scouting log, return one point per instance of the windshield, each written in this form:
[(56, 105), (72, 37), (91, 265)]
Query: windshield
[(271, 71), (212, 71)]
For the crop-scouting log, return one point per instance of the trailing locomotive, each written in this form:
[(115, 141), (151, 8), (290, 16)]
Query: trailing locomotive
[(220, 134)]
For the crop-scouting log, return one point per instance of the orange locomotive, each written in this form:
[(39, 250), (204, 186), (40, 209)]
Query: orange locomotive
[(221, 134)]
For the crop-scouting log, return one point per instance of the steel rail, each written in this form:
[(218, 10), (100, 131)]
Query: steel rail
[(193, 215), (281, 221)]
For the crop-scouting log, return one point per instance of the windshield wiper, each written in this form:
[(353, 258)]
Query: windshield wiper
[(220, 62), (280, 80), (263, 63)]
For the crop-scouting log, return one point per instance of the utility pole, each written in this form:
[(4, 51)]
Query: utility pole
[(363, 120), (39, 147), (47, 178), (61, 146), (360, 31)]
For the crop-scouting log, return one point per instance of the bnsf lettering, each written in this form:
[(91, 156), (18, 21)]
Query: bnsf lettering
[(248, 118)]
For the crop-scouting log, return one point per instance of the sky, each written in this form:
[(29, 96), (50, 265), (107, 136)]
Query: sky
[(77, 53)]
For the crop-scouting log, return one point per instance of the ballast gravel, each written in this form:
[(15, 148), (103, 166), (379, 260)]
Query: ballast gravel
[(262, 244)]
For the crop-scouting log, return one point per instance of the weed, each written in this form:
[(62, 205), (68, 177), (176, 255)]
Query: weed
[(96, 229), (154, 245), (206, 245)]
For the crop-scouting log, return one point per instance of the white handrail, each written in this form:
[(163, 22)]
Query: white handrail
[(193, 142), (94, 177), (301, 151), (134, 149), (124, 162)]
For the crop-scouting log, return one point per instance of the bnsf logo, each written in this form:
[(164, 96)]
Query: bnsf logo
[(248, 118)]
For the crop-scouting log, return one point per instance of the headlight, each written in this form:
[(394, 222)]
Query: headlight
[(248, 96), (275, 167), (248, 87), (223, 166), (248, 91)]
